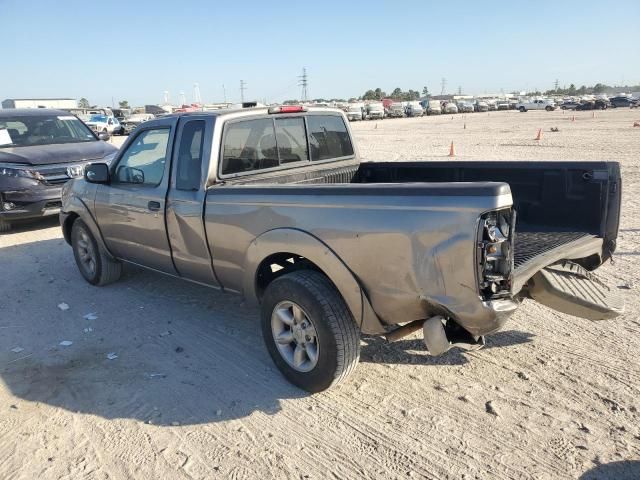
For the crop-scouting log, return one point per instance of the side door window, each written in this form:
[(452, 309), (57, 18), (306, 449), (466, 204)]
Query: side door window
[(189, 173), (144, 160), (328, 137)]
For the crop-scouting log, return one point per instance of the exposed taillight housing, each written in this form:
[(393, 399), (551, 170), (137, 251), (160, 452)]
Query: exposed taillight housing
[(494, 253)]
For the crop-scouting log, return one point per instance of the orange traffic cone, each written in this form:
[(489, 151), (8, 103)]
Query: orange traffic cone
[(539, 135), (452, 150)]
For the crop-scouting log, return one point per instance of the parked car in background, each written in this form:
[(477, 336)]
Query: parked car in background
[(493, 106), (354, 112), (40, 149), (414, 109), (465, 106), (569, 105), (395, 110), (329, 247), (132, 121), (513, 104), (450, 107), (502, 104), (622, 101), (538, 104), (375, 111), (434, 107), (597, 104), (481, 106), (104, 123)]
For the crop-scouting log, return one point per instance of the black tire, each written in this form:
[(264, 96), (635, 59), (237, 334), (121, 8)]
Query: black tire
[(548, 109), (522, 109), (338, 339), (104, 269), (4, 226)]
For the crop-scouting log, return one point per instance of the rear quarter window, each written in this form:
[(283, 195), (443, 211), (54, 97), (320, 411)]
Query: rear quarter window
[(328, 137)]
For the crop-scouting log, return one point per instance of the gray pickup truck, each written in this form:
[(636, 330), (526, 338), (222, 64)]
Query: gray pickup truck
[(274, 204)]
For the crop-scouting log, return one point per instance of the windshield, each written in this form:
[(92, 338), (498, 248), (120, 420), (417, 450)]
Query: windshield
[(376, 106), (98, 118), (354, 108), (29, 130)]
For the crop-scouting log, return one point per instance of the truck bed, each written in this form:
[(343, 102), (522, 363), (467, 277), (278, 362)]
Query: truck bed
[(565, 210)]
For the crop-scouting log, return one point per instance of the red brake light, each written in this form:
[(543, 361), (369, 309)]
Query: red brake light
[(287, 109)]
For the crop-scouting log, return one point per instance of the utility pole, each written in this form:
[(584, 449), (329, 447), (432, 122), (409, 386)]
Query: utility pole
[(460, 90), (183, 99), (243, 87), (557, 82), (304, 83), (443, 85)]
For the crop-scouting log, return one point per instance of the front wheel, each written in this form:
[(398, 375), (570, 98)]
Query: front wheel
[(94, 264), (309, 331), (548, 109), (522, 109)]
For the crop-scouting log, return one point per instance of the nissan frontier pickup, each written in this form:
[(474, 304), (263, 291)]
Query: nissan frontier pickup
[(275, 204)]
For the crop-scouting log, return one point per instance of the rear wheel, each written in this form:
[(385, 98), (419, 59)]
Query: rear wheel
[(548, 109), (522, 109), (309, 331), (94, 264)]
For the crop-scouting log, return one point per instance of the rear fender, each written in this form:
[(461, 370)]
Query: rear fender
[(313, 249)]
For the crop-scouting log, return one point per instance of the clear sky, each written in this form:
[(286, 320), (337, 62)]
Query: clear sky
[(135, 50)]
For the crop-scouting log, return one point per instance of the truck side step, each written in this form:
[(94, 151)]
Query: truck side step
[(569, 288)]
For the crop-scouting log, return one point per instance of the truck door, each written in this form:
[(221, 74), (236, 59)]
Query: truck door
[(185, 201), (131, 209)]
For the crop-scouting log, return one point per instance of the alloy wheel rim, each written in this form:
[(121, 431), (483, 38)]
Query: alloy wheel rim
[(86, 253), (295, 336)]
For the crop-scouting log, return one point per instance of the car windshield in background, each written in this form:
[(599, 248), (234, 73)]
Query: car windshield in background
[(30, 130), (98, 118)]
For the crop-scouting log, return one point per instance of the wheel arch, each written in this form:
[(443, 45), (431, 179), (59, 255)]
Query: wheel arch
[(74, 210), (280, 246)]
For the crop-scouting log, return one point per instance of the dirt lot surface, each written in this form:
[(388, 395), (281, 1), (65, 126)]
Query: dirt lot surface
[(193, 393)]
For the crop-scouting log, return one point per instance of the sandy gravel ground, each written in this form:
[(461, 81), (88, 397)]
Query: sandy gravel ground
[(193, 393)]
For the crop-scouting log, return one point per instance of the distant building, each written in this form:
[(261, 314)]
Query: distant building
[(61, 103)]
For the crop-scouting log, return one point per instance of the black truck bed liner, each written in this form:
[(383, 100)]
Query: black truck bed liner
[(529, 245)]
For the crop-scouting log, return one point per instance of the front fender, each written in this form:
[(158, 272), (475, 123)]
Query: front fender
[(313, 249), (75, 208)]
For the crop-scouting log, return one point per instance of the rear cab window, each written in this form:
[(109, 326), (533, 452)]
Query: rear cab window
[(282, 141)]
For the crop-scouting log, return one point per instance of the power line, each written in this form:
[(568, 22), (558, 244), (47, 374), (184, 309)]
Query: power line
[(304, 83), (443, 85), (243, 87)]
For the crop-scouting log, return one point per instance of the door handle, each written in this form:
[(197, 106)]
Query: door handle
[(153, 205)]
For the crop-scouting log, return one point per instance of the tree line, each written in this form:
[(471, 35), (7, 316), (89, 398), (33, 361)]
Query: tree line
[(596, 89), (396, 94)]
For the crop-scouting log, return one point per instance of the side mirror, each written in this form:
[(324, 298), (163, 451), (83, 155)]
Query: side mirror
[(97, 173), (104, 136)]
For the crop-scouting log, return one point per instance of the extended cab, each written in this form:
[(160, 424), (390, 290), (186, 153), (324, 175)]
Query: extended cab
[(276, 205)]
